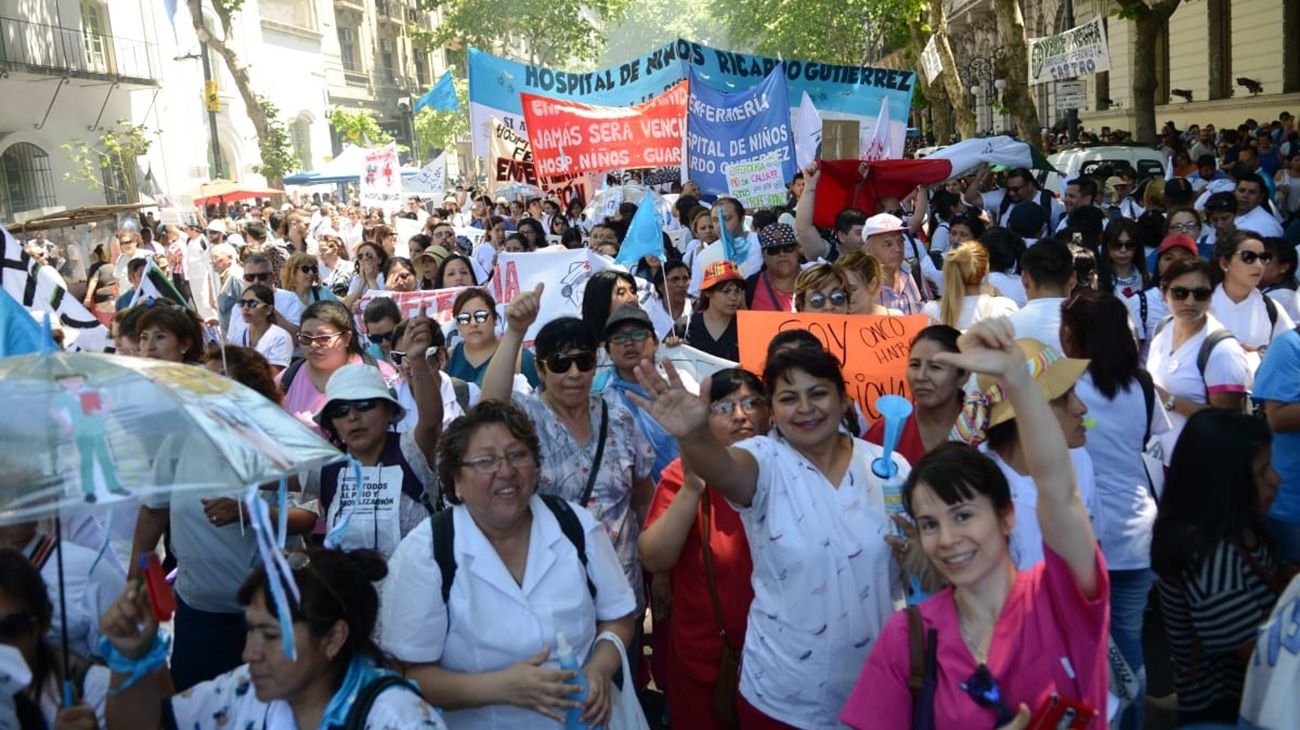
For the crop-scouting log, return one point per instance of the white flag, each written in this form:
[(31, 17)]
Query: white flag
[(38, 289), (808, 133), (431, 179), (878, 147)]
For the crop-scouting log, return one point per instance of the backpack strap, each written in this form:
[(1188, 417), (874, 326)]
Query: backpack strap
[(1271, 307), (600, 453), (916, 650), (444, 540), (290, 373), (571, 526), (1148, 395), (1212, 341), (1142, 312), (360, 712)]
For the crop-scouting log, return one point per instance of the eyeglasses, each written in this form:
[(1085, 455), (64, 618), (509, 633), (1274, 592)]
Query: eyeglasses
[(443, 234), (381, 336), (780, 250), (627, 337), (727, 407), (560, 364), (1250, 257), (1200, 293), (1185, 227), (396, 357), (837, 298), (369, 256), (1123, 245), (317, 340), (982, 687), (15, 625), (489, 464), (250, 278), (341, 408), (307, 269), (480, 316), (250, 303)]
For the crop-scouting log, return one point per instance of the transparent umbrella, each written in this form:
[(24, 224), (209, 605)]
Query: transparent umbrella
[(84, 431), (516, 191), (604, 203)]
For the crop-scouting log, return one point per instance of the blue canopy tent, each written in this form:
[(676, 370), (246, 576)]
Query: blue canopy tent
[(345, 168)]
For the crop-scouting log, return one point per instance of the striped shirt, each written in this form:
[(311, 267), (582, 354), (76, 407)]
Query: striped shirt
[(1218, 608)]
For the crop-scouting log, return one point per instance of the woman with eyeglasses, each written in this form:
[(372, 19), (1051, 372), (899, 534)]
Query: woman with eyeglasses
[(686, 516), (1193, 359), (592, 451), (712, 328), (1006, 643), (533, 233), (1217, 571), (1279, 280), (476, 321), (386, 237), (865, 277), (456, 270), (821, 288), (964, 302), (257, 304), (329, 340), (371, 263), (1250, 315), (476, 624), (301, 276), (1122, 270), (336, 660), (824, 581)]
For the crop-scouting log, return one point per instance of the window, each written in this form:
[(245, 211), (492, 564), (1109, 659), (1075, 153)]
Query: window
[(386, 56), (1220, 51), (296, 13), (348, 48), (27, 181), (840, 139), (94, 37), (300, 135), (421, 71), (1290, 46)]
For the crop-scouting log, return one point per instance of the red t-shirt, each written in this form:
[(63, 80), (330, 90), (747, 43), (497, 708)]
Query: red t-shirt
[(692, 628), (763, 298), (910, 445)]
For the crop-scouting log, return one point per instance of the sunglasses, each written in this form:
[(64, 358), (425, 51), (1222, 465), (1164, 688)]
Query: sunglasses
[(479, 316), (250, 303), (314, 340), (837, 298), (982, 687), (628, 337), (560, 364), (783, 249), (250, 278), (341, 408), (381, 336), (1123, 245), (727, 407), (1200, 293), (16, 625), (1250, 257), (307, 269)]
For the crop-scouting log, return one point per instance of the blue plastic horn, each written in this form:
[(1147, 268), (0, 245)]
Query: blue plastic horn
[(894, 409)]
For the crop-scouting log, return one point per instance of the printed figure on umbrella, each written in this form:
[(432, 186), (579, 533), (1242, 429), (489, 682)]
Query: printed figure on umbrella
[(81, 411)]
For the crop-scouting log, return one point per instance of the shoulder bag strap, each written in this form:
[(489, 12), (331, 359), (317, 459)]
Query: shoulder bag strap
[(705, 516), (916, 648), (600, 453), (771, 292)]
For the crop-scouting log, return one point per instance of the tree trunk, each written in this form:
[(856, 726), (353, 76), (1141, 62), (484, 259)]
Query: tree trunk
[(951, 79), (1016, 96), (1147, 22), (238, 71), (935, 92)]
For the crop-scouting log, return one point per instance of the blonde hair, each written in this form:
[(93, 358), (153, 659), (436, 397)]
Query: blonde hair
[(814, 278), (866, 266), (1153, 198), (299, 259), (964, 266)]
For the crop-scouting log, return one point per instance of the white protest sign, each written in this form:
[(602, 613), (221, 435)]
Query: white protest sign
[(757, 183), (405, 228), (697, 363), (565, 274), (510, 157), (930, 61), (381, 180), (1080, 51), (431, 180), (436, 303)]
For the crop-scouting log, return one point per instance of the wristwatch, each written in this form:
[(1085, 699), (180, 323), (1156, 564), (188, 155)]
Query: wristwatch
[(1169, 402)]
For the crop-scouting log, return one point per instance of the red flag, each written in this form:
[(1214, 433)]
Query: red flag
[(857, 184)]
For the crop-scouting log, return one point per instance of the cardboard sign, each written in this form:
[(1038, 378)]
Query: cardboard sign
[(570, 137), (757, 183), (510, 157), (872, 350)]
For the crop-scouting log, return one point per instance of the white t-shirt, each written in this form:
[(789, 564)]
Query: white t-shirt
[(275, 345), (1288, 301), (1026, 537), (1247, 320), (89, 594), (486, 256), (974, 307), (286, 303), (1260, 221), (451, 409), (1039, 319), (1125, 509), (1269, 698), (824, 581), (1226, 371), (492, 621), (1010, 286)]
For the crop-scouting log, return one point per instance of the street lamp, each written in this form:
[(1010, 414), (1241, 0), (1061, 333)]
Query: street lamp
[(983, 71)]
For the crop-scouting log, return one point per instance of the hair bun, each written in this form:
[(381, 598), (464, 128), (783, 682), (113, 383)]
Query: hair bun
[(370, 563)]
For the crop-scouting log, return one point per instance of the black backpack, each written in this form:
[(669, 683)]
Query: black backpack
[(443, 528), (360, 712)]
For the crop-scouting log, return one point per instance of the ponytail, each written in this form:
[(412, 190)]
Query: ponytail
[(965, 265)]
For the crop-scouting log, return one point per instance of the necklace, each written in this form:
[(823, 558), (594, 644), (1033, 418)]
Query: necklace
[(977, 647)]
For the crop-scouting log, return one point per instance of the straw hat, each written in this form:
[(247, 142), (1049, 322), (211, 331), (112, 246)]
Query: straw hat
[(1053, 373)]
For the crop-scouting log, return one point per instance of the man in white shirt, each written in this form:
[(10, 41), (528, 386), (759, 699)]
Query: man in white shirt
[(1021, 186), (288, 308), (1079, 193), (1047, 271), (1251, 215)]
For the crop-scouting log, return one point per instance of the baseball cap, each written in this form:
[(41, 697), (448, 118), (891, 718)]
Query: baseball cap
[(358, 381), (777, 234), (882, 223), (719, 272), (1177, 240), (217, 225), (628, 313), (1027, 219), (1221, 202), (1178, 191)]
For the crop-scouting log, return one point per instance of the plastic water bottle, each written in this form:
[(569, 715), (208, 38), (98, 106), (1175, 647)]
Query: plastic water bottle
[(568, 662)]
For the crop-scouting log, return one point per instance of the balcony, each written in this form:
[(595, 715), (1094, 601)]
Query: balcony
[(56, 50)]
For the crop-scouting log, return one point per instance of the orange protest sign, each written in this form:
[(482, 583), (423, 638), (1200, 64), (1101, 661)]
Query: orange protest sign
[(872, 350), (570, 137)]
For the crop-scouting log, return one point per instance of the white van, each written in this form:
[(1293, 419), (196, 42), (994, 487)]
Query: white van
[(1147, 161)]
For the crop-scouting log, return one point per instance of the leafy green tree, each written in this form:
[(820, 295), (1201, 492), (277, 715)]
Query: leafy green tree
[(435, 130), (109, 163), (358, 127), (547, 32), (278, 155), (650, 24), (828, 31)]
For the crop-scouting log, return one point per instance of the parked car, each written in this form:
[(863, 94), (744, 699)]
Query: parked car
[(1073, 161)]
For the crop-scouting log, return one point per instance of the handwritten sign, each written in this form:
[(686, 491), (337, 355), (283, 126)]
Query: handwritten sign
[(437, 301), (758, 183), (872, 351)]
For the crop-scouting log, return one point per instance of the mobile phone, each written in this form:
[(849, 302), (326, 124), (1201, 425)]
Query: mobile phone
[(1062, 713), (161, 598)]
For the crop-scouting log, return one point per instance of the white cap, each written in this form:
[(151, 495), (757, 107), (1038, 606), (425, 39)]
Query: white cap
[(216, 224), (882, 223), (358, 381)]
